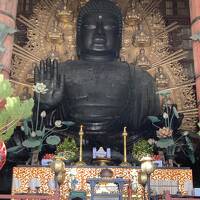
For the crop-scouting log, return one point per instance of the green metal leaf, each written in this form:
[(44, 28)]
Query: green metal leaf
[(53, 140), (153, 119), (39, 133), (30, 143), (44, 129), (189, 143), (164, 93), (165, 142)]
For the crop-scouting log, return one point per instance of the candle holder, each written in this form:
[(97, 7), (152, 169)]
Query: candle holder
[(81, 163), (125, 163)]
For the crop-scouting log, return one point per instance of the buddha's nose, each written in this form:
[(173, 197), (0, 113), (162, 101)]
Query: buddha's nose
[(100, 28), (100, 34)]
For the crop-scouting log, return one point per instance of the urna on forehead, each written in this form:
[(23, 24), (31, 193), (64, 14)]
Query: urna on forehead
[(101, 17)]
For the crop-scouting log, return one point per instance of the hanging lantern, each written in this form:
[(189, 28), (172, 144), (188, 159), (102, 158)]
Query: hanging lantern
[(3, 154)]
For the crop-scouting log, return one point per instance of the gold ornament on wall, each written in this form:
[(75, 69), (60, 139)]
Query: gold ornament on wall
[(141, 38), (64, 14), (132, 17)]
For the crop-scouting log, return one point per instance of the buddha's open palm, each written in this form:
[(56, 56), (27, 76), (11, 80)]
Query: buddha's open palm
[(47, 73)]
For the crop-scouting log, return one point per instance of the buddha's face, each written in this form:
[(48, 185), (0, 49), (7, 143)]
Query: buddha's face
[(99, 34)]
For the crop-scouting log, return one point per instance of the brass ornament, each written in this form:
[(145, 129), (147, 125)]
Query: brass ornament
[(58, 166), (147, 165), (64, 14), (60, 178), (142, 178), (81, 163), (125, 163)]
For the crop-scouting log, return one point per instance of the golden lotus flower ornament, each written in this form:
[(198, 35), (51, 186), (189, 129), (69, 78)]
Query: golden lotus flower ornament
[(164, 132)]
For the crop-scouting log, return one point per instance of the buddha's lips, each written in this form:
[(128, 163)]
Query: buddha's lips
[(99, 47), (99, 40)]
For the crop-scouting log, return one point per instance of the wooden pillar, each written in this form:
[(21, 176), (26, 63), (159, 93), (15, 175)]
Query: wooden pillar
[(195, 28), (8, 9)]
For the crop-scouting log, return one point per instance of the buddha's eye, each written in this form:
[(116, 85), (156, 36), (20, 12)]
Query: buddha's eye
[(110, 27), (89, 26)]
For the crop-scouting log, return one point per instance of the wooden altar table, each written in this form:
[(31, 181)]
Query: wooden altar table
[(24, 174)]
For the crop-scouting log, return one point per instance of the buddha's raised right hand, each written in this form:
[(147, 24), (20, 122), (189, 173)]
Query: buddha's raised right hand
[(47, 73)]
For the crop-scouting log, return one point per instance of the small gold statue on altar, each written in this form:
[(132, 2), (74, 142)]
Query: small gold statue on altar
[(142, 60)]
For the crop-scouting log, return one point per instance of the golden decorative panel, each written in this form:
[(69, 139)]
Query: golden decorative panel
[(44, 174)]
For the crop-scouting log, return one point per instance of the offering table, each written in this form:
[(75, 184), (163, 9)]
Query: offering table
[(24, 174)]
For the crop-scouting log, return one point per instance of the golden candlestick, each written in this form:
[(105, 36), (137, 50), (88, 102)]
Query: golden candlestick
[(125, 163), (80, 162)]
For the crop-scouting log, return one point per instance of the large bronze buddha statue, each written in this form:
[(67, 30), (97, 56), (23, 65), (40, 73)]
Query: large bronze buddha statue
[(98, 90)]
